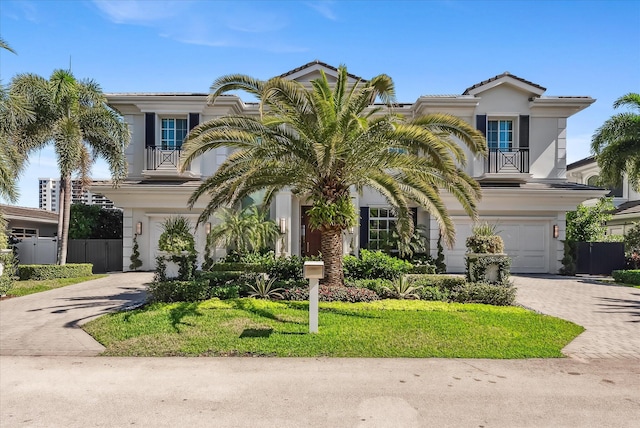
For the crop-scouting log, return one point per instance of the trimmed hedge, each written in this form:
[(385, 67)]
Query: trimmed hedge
[(478, 292), (41, 272), (336, 293), (237, 267), (444, 282), (627, 276), (374, 265)]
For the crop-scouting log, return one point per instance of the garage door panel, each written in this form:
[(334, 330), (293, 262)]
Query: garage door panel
[(525, 242)]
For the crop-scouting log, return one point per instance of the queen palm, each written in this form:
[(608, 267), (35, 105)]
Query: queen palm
[(74, 116), (324, 141), (616, 144)]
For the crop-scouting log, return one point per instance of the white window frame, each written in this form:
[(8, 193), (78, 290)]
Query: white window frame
[(514, 129), (390, 220), (175, 144)]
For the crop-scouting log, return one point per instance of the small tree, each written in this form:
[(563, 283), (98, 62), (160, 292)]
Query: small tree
[(587, 224), (135, 255)]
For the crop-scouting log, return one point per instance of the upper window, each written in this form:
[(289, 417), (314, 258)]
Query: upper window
[(594, 180), (500, 134), (173, 133)]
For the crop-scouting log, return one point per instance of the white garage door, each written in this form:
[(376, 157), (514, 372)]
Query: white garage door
[(526, 242)]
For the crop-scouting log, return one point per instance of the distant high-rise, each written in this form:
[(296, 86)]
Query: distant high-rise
[(49, 197)]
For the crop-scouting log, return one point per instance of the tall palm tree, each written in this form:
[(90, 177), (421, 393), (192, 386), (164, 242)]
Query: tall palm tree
[(616, 144), (74, 116), (13, 114), (322, 141)]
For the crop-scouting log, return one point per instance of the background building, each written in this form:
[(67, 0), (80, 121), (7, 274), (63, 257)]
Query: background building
[(49, 195)]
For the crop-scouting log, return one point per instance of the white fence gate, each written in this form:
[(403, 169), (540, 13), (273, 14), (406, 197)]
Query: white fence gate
[(37, 251)]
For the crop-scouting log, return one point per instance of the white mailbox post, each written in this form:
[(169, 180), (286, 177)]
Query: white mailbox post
[(313, 271)]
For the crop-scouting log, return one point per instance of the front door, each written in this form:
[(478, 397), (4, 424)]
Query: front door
[(309, 239)]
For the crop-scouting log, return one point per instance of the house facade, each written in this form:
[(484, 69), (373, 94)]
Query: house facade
[(524, 185), (625, 198)]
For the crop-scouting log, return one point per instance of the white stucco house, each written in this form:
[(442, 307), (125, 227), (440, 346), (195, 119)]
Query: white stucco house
[(625, 199), (525, 188)]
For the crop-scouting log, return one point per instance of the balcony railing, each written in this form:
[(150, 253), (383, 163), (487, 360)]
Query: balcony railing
[(159, 158), (507, 161)]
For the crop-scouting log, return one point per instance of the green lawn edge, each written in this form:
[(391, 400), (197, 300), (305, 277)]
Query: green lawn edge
[(24, 288), (382, 329)]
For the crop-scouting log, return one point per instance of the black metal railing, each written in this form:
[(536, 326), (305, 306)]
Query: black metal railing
[(159, 158), (507, 161)]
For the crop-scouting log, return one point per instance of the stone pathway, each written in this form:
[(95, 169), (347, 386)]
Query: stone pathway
[(610, 314)]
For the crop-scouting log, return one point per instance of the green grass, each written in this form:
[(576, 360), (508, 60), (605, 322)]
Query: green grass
[(385, 328), (22, 288)]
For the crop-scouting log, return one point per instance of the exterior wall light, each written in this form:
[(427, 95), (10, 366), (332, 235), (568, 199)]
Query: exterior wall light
[(207, 228), (556, 231), (283, 225), (139, 228)]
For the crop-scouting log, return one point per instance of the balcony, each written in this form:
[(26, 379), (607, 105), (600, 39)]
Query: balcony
[(163, 164), (507, 164)]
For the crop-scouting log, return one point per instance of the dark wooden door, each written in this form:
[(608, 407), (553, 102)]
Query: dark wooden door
[(309, 239)]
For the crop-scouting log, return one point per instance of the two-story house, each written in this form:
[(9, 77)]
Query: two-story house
[(625, 198), (525, 190)]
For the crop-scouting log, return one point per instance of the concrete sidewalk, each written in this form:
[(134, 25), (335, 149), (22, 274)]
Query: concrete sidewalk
[(610, 314), (48, 323)]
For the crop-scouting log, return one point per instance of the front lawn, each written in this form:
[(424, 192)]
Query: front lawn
[(22, 288), (386, 328)]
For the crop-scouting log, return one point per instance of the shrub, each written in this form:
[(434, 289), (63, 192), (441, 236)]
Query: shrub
[(176, 236), (231, 291), (627, 276), (8, 271), (135, 255), (264, 289), (283, 268), (434, 293), (338, 293), (402, 289), (179, 291), (423, 269), (379, 286), (478, 292), (443, 282), (41, 272), (373, 265), (237, 267)]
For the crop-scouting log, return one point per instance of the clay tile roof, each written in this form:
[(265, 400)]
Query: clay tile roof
[(323, 64), (499, 76)]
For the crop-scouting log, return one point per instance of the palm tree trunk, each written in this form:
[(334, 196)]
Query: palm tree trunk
[(331, 247), (63, 218)]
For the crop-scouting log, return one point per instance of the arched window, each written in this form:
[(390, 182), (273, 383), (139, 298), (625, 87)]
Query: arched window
[(593, 180)]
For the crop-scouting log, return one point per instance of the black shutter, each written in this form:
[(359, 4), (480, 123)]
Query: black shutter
[(524, 132), (194, 120), (481, 123), (414, 216), (149, 129), (364, 227)]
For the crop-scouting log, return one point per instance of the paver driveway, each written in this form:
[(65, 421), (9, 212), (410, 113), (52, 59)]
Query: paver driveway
[(49, 323), (610, 314)]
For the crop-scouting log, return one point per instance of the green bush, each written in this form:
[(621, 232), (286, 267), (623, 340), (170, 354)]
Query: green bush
[(423, 269), (224, 292), (478, 292), (444, 282), (627, 276), (237, 267), (379, 286), (434, 293), (8, 273), (374, 265), (179, 291), (338, 293), (41, 272), (283, 268)]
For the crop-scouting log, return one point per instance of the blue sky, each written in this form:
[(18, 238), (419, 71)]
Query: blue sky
[(427, 47)]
